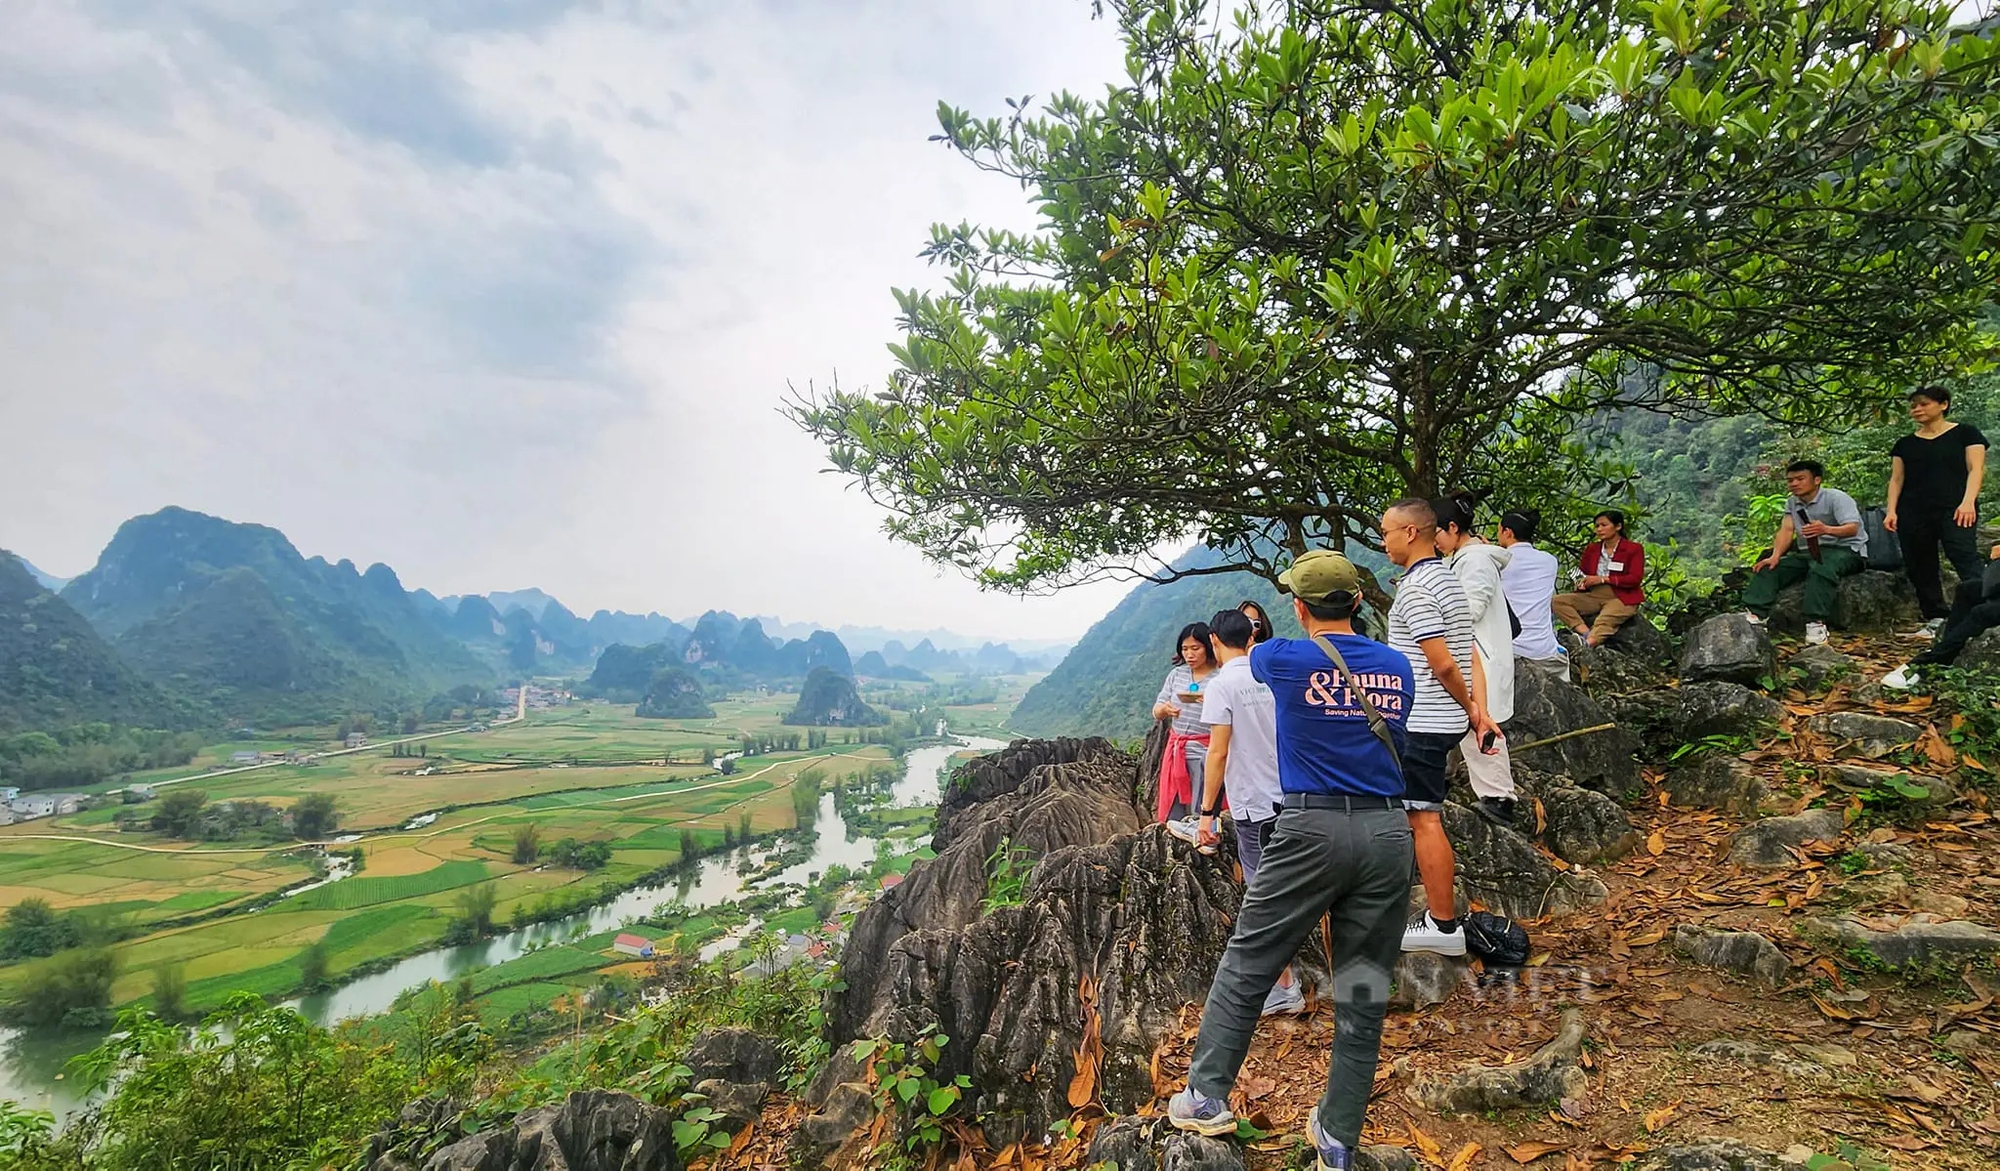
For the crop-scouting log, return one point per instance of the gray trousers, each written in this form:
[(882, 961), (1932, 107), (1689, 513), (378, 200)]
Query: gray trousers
[(1355, 867)]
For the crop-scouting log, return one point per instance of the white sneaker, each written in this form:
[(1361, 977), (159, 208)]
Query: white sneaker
[(1754, 619), (1815, 634), (1188, 829), (1931, 629), (1284, 1000), (1423, 935), (1900, 679)]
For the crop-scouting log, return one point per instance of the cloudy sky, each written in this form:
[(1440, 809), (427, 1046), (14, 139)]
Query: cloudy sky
[(500, 292)]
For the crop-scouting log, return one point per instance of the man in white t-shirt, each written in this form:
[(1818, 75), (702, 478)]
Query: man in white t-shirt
[(1242, 716), (1529, 581)]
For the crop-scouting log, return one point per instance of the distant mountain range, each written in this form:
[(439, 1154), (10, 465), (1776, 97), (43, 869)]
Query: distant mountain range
[(862, 639), (190, 619), (1106, 684)]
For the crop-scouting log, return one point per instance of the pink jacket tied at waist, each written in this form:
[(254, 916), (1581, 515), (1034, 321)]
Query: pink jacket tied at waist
[(1175, 783)]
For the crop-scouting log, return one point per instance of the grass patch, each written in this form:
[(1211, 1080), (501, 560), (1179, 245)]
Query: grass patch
[(546, 964), (198, 900), (355, 893)]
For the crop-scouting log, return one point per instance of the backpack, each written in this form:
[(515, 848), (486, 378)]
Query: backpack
[(1495, 939), (1884, 550)]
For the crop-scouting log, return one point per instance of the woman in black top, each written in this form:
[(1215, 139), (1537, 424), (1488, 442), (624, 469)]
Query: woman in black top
[(1934, 496)]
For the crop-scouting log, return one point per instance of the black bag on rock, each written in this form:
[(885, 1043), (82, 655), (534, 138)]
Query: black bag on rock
[(1884, 550), (1495, 939)]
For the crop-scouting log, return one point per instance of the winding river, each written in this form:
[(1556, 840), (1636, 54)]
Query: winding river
[(31, 1064)]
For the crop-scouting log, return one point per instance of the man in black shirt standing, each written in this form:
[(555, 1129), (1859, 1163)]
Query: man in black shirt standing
[(1934, 486)]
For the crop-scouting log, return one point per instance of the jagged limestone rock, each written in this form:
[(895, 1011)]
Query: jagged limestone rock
[(1728, 648), (1919, 940), (1425, 978), (1981, 654), (591, 1130), (1124, 1144), (1583, 826), (1192, 1152), (1870, 602), (739, 1103), (1714, 780), (1816, 666), (1863, 733), (1550, 1075), (1766, 844), (1546, 707), (1745, 953), (1502, 869), (1638, 656), (1668, 718), (733, 1055), (1713, 1154)]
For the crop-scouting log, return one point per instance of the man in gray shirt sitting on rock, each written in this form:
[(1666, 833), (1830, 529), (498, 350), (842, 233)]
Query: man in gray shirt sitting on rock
[(1819, 542)]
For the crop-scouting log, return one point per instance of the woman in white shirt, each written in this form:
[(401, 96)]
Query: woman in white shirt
[(1478, 566)]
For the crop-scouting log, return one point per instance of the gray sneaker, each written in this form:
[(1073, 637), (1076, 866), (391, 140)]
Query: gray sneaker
[(1334, 1155), (1285, 1000), (1194, 1111)]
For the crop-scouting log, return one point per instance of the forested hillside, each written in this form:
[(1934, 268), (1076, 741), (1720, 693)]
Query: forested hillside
[(55, 670), (1105, 685)]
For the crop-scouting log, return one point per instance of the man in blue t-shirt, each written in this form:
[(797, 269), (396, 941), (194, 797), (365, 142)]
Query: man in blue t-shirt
[(1342, 848)]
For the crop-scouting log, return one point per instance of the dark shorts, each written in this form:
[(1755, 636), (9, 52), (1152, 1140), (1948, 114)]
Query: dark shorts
[(1251, 838), (1424, 755)]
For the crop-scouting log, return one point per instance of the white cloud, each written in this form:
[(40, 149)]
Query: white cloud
[(499, 294)]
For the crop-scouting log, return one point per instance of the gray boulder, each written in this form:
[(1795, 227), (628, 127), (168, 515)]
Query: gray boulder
[(733, 1055), (1767, 844), (1863, 733), (591, 1130), (1584, 826), (1714, 780), (1502, 869), (1919, 940), (844, 1116), (1384, 1158), (739, 1103), (1192, 1152), (1425, 979), (1869, 602), (1125, 1144), (1719, 708), (1709, 1154), (1982, 653), (1638, 656), (1816, 666), (1745, 953), (1546, 707), (1551, 1075), (1728, 648), (1910, 809)]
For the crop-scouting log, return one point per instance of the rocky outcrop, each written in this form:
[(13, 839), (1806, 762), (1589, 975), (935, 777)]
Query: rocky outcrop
[(1584, 826), (1671, 717), (1502, 869), (1638, 656), (1712, 1154), (591, 1130), (1918, 940), (1862, 733), (1869, 602), (1040, 796), (1546, 707), (1118, 924), (1425, 978), (733, 1055), (1815, 667), (1768, 844), (1729, 648), (1745, 953), (1981, 654), (1714, 781), (739, 1103), (1551, 1075)]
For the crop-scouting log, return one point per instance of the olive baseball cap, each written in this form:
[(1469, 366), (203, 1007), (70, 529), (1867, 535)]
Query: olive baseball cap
[(1317, 575)]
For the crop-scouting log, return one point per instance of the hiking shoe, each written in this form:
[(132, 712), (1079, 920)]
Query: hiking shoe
[(1902, 678), (1931, 629), (1193, 1111), (1815, 634), (1498, 810), (1188, 830), (1423, 934), (1334, 1155), (1285, 1000)]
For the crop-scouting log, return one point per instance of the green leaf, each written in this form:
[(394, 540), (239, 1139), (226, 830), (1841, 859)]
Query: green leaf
[(942, 1099)]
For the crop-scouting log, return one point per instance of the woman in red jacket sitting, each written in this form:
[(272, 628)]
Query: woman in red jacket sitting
[(1607, 582)]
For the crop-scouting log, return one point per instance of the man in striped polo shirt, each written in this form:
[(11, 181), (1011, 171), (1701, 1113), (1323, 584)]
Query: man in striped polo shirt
[(1432, 625)]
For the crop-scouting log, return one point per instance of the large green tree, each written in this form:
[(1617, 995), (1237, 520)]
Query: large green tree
[(1322, 255)]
